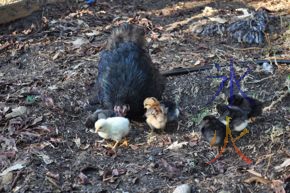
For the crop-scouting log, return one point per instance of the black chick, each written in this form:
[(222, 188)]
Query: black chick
[(213, 130), (126, 74), (251, 105), (239, 118), (172, 111)]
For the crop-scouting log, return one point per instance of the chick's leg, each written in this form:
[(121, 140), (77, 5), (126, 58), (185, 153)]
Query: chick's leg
[(114, 147), (125, 143), (163, 131), (151, 129)]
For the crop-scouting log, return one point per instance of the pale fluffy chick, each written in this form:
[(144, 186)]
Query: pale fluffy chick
[(156, 114), (114, 128)]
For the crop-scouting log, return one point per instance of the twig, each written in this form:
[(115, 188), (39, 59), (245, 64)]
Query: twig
[(268, 165), (15, 179), (276, 101), (257, 81), (243, 49)]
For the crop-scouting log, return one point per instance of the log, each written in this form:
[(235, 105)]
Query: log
[(11, 10)]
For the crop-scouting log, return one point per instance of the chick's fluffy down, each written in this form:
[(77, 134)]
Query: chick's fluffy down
[(114, 128)]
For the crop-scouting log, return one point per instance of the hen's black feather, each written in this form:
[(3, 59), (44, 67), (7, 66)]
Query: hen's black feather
[(126, 73)]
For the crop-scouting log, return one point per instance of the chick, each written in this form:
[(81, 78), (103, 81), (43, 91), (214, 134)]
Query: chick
[(213, 130), (253, 106), (239, 118), (156, 114), (114, 128), (173, 111)]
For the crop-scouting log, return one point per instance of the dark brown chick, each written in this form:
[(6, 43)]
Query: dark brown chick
[(213, 130), (156, 114), (251, 105)]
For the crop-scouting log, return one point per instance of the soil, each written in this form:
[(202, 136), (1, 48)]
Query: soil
[(48, 64)]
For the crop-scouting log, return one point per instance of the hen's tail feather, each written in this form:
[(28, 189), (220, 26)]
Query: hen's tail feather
[(126, 33)]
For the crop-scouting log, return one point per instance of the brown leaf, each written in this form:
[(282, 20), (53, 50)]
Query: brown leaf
[(7, 179), (16, 112), (39, 146), (8, 154), (111, 153), (277, 186), (83, 179), (257, 179), (134, 147), (171, 169), (254, 173), (118, 172), (53, 175), (36, 121), (48, 101)]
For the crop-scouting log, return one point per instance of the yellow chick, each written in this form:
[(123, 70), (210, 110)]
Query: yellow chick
[(156, 114), (114, 128)]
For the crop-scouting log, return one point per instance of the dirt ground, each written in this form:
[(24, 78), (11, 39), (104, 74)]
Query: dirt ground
[(48, 68)]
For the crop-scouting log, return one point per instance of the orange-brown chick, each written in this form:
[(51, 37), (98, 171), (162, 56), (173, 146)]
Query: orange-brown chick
[(151, 102), (156, 114)]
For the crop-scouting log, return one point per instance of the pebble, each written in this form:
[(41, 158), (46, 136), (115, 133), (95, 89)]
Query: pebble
[(184, 188)]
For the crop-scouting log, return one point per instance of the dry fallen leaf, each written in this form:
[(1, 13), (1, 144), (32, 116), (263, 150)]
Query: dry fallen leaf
[(175, 145), (172, 170), (118, 172), (79, 42), (277, 186), (45, 158), (77, 142), (83, 179), (285, 164), (217, 19), (16, 166), (37, 120), (257, 179), (254, 173), (183, 188), (16, 112), (53, 175), (7, 179), (134, 147), (55, 56)]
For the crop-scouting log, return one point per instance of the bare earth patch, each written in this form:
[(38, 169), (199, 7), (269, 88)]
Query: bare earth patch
[(48, 67)]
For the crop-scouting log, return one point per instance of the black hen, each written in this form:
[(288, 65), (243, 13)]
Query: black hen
[(253, 106), (126, 73), (239, 117)]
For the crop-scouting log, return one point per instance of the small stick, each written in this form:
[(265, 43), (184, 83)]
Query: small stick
[(257, 81), (276, 101)]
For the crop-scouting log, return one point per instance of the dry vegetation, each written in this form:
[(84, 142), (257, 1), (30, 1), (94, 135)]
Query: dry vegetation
[(48, 67)]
